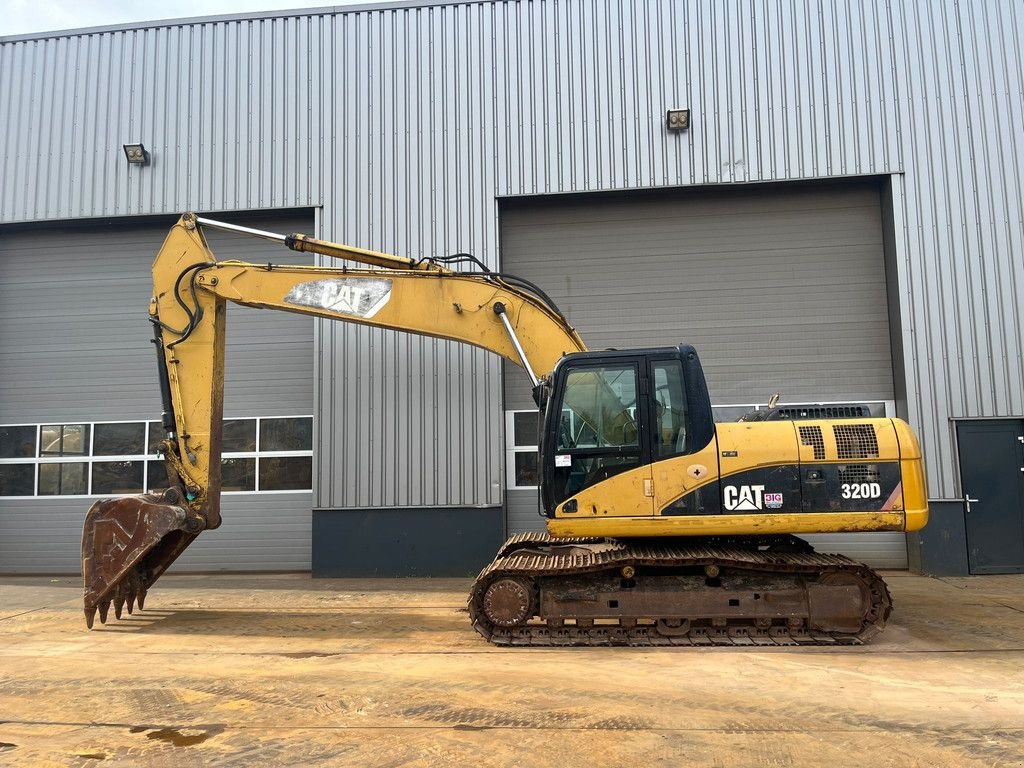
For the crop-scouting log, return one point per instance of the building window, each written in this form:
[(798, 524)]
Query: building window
[(259, 455), (64, 440), (17, 479), (239, 436), (70, 479), (18, 442), (522, 435)]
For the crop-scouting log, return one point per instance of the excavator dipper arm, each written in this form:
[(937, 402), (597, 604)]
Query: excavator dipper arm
[(129, 542)]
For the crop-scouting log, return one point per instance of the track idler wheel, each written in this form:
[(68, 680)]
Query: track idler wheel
[(839, 601), (509, 602)]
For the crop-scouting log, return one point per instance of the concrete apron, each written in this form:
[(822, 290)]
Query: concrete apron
[(275, 670)]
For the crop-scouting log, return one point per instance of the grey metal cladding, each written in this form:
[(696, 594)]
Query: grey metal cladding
[(879, 550), (958, 221), (230, 113), (260, 532), (407, 122), (75, 346), (780, 289), (522, 511), (75, 336)]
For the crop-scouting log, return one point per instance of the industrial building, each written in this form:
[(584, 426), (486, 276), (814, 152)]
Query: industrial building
[(825, 199)]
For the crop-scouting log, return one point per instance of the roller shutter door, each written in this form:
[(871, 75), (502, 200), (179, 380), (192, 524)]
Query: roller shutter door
[(781, 289), (75, 347)]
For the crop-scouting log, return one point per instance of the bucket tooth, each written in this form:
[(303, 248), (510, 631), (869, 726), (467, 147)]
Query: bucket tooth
[(104, 607), (130, 589), (142, 599), (90, 615), (118, 606)]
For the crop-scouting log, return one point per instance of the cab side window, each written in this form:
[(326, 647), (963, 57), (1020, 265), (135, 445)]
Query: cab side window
[(668, 395)]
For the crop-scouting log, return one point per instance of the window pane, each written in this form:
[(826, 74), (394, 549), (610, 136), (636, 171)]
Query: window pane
[(17, 479), (64, 440), (286, 473), (239, 435), (156, 476), (526, 468), (729, 413), (286, 434), (669, 409), (601, 405), (116, 476), (17, 442), (155, 437), (238, 474), (63, 479), (589, 470), (525, 428), (118, 439), (49, 439)]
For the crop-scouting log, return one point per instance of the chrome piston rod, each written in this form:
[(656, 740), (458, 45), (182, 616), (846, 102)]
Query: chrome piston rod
[(224, 226), (499, 310)]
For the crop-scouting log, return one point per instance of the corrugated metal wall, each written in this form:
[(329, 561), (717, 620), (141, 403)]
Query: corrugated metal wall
[(406, 123), (959, 228), (231, 113)]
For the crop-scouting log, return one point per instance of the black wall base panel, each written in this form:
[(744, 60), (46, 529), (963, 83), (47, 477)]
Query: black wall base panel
[(447, 541), (940, 548)]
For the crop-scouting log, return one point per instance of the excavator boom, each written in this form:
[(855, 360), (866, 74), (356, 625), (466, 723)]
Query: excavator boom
[(129, 542)]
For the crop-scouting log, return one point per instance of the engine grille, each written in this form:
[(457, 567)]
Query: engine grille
[(859, 473), (812, 436), (856, 441), (797, 412)]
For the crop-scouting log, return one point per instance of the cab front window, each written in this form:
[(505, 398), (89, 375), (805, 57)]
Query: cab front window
[(598, 432), (599, 408)]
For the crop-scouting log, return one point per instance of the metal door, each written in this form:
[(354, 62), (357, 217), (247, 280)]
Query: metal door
[(992, 475)]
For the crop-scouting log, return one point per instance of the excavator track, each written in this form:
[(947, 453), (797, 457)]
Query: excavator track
[(540, 591)]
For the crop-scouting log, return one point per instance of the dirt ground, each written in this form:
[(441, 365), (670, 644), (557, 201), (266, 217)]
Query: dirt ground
[(287, 670)]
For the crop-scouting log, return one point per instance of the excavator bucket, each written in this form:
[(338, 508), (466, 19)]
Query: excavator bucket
[(127, 543)]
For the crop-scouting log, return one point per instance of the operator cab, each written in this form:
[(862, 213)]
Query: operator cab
[(609, 412)]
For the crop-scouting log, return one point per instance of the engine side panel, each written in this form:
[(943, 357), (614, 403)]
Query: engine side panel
[(771, 477)]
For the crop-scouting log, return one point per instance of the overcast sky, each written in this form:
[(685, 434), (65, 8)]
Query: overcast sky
[(19, 17)]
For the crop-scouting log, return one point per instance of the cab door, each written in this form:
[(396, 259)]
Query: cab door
[(684, 456), (601, 458)]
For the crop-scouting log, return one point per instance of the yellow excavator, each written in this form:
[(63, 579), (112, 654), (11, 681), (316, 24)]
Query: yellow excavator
[(663, 527)]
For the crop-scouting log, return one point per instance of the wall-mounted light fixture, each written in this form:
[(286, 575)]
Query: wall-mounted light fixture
[(677, 119), (136, 154)]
